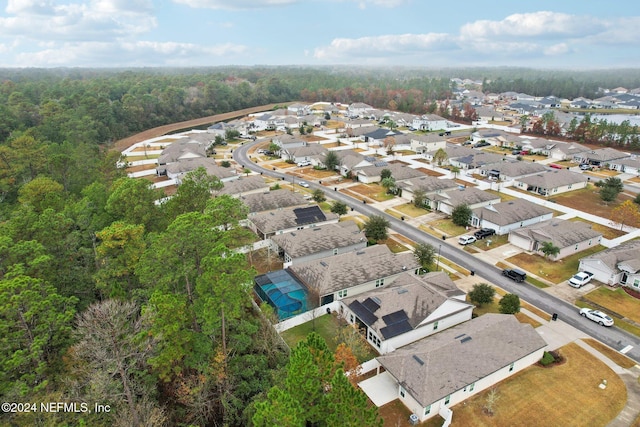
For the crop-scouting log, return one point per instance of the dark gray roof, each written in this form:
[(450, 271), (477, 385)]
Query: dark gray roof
[(510, 212), (353, 268), (561, 233), (318, 239), (381, 133), (478, 159), (441, 364), (270, 200), (402, 306)]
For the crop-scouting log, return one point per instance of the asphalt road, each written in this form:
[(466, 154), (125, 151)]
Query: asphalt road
[(614, 337)]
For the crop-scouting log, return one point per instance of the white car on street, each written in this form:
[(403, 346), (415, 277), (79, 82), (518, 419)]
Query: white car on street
[(304, 184), (597, 316)]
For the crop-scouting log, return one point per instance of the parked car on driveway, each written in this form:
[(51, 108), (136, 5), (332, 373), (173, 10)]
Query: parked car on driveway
[(466, 240), (514, 274), (484, 232), (481, 144), (580, 279), (597, 316), (585, 167), (304, 163)]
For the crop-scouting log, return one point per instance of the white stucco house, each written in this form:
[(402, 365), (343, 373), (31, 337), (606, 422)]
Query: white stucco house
[(411, 308), (439, 371)]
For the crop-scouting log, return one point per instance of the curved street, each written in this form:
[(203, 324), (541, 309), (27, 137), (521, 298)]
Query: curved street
[(614, 337)]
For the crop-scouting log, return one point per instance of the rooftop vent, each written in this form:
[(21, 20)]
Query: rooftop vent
[(360, 253), (402, 291), (324, 264), (459, 336), (376, 300), (417, 359), (465, 339)]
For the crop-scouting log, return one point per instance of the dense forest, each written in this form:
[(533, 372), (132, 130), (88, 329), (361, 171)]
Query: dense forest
[(107, 297)]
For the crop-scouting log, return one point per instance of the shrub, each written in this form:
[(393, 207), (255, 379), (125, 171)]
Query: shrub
[(547, 359)]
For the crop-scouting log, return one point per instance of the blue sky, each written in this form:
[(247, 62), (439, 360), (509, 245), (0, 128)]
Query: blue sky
[(574, 34)]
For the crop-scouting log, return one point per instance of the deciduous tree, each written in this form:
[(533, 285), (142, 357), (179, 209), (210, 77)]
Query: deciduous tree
[(509, 304), (424, 253), (339, 208), (376, 228), (481, 294), (627, 213), (461, 215)]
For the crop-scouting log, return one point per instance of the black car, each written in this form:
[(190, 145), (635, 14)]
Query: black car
[(515, 274), (484, 232), (481, 144)]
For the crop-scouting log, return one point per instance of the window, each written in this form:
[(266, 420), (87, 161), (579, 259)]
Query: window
[(511, 367), (569, 187), (589, 242), (427, 410), (335, 252), (342, 293), (379, 282), (402, 391), (351, 319), (576, 246), (447, 400), (472, 386), (636, 283), (435, 326)]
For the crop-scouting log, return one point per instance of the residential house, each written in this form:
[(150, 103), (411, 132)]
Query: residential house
[(567, 150), (245, 185), (475, 160), (318, 242), (453, 151), (552, 182), (601, 157), (540, 146), (268, 121), (425, 143), (430, 185), (446, 202), (399, 172), (428, 122), (410, 309), (510, 170), (304, 153), (350, 160), (506, 216), (378, 136), (619, 265), (287, 142), (444, 369), (489, 135), (272, 200), (568, 236), (630, 165), (359, 123), (177, 170), (358, 109), (220, 129), (299, 109), (352, 273), (285, 220), (180, 150)]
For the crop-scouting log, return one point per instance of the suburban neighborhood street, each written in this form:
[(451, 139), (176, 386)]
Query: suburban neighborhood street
[(614, 337)]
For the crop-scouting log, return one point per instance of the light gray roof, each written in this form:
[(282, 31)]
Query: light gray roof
[(269, 200), (628, 252), (515, 169), (429, 184), (426, 137), (307, 150), (478, 159), (415, 296), (285, 139), (441, 364), (633, 162), (554, 178), (510, 212), (537, 143), (604, 154), (351, 269), (182, 148), (570, 148), (399, 172), (184, 166), (319, 239), (244, 184), (561, 233), (466, 196)]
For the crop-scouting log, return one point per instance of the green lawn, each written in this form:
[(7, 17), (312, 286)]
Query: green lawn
[(553, 271), (410, 210)]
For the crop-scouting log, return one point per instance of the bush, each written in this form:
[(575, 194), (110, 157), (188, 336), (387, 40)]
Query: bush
[(547, 359), (225, 164)]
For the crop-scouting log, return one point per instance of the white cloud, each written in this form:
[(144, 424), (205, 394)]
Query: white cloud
[(234, 4), (402, 44), (557, 49), (142, 53), (537, 24), (36, 7)]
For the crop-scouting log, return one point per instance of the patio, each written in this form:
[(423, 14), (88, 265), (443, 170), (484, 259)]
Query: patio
[(380, 389)]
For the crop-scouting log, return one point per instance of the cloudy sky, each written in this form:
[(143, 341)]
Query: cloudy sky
[(574, 34)]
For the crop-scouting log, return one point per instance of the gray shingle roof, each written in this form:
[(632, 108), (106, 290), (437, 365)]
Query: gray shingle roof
[(478, 159), (399, 172), (429, 184), (182, 148), (352, 269), (466, 196), (628, 252), (515, 169), (441, 364), (417, 297), (318, 239), (510, 212), (184, 166), (291, 217), (307, 150), (561, 233), (605, 154), (261, 202), (244, 184), (554, 178)]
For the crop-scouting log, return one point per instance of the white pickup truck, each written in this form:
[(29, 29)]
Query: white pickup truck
[(580, 279)]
